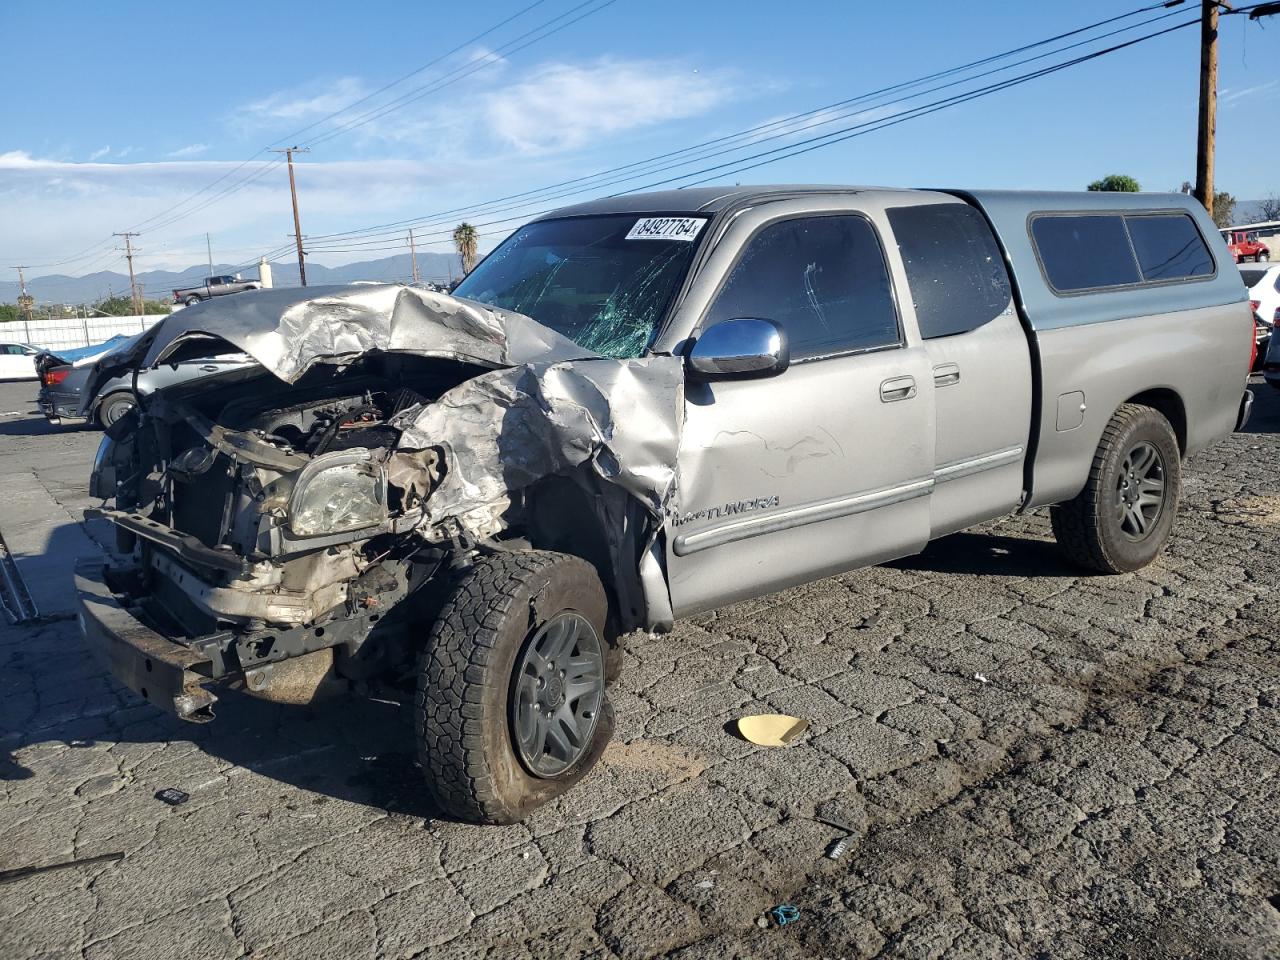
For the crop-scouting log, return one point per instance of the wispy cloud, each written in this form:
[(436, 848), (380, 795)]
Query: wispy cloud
[(100, 152), (303, 103), (190, 150), (1227, 97), (563, 106), (47, 196)]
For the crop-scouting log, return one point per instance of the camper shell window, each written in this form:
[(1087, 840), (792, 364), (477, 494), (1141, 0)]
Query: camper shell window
[(1091, 252)]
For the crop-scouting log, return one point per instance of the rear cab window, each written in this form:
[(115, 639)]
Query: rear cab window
[(823, 279), (1089, 252), (955, 270)]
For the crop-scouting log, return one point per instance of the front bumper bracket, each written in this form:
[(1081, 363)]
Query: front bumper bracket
[(166, 673)]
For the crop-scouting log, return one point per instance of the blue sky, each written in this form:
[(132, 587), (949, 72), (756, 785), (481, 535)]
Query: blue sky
[(184, 93)]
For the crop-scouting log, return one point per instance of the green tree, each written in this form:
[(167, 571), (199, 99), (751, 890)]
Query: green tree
[(115, 306), (1224, 208), (465, 241), (9, 312), (1115, 183), (123, 307)]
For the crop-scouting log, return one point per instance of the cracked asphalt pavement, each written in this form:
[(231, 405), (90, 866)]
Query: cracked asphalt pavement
[(1035, 763)]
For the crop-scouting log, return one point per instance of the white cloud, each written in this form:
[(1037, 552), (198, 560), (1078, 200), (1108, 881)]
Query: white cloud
[(102, 152), (1228, 97), (564, 106), (190, 150), (66, 206), (303, 103), (463, 145)]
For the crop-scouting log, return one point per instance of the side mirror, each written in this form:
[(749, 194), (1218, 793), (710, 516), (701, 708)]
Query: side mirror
[(739, 349)]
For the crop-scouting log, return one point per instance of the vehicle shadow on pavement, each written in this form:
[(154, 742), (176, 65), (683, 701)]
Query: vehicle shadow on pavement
[(59, 701), (37, 426), (26, 427), (1266, 409), (986, 554)]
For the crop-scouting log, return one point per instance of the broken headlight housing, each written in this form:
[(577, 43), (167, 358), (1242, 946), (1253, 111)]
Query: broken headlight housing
[(338, 493)]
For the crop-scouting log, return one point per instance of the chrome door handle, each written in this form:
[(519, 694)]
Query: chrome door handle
[(945, 374), (209, 368), (898, 388)]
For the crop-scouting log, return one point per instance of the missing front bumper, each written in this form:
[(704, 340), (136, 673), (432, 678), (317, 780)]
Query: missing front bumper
[(162, 671)]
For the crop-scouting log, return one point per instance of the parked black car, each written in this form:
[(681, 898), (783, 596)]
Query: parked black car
[(63, 384)]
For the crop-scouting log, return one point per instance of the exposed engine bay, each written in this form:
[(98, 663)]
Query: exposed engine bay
[(265, 518)]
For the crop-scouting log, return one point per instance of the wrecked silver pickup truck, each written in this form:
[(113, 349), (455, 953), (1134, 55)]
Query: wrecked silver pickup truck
[(632, 411)]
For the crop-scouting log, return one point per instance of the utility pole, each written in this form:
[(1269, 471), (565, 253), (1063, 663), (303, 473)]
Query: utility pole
[(1208, 118), (133, 283), (208, 246), (293, 192), (413, 255), (24, 302)]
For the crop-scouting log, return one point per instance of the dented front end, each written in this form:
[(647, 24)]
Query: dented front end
[(290, 513)]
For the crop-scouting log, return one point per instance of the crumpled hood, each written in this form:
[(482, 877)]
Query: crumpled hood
[(546, 407), (287, 331)]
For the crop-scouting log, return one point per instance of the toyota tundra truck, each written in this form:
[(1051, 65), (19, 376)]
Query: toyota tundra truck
[(631, 411), (214, 287)]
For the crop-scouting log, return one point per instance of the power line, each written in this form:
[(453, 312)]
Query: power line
[(413, 73), (170, 214), (506, 50), (771, 156), (448, 79), (349, 241), (640, 168)]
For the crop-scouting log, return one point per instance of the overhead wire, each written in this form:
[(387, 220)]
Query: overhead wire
[(594, 182), (170, 215)]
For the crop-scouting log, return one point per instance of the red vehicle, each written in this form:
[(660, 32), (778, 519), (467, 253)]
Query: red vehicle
[(1246, 246)]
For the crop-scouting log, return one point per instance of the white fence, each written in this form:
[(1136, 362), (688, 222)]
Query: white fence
[(68, 334)]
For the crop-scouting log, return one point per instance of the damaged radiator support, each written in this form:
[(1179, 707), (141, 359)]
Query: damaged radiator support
[(15, 598)]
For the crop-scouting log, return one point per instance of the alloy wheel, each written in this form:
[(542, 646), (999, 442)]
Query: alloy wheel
[(1140, 491), (556, 694)]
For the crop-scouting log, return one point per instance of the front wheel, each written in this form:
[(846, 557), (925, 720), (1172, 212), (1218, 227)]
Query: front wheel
[(1123, 517), (511, 710), (1261, 255)]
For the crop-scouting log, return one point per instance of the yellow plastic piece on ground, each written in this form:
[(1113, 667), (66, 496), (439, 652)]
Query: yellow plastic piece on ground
[(772, 729)]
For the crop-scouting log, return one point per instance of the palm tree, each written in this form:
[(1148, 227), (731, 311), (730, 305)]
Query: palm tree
[(465, 238)]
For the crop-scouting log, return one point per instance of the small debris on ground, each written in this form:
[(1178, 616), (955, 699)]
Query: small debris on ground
[(838, 848), (172, 796), (705, 884), (8, 875), (981, 678), (771, 729), (785, 913)]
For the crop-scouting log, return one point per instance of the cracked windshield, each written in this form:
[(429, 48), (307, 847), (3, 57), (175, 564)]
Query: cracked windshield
[(593, 279)]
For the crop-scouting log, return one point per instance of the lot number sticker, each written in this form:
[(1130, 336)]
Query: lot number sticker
[(666, 228)]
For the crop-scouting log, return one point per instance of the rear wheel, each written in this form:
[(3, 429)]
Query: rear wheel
[(1123, 517), (511, 709), (192, 301), (113, 407)]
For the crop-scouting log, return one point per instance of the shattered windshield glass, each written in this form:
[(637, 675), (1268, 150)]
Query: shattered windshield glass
[(600, 281)]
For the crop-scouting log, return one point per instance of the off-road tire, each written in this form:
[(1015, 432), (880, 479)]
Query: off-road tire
[(1087, 528), (462, 706), (191, 301), (114, 406)]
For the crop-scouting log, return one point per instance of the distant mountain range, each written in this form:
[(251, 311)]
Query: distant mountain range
[(159, 284)]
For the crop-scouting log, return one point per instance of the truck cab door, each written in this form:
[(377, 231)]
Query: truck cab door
[(828, 465), (962, 304)]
